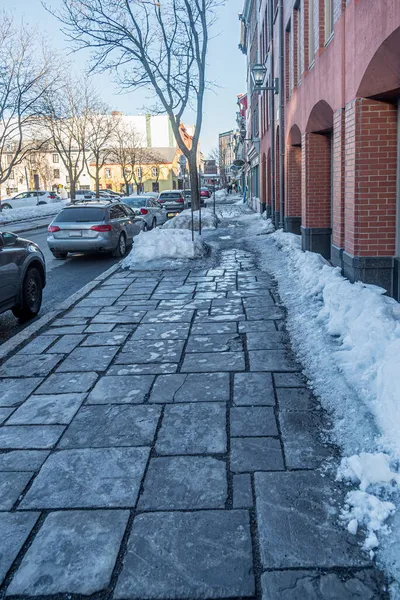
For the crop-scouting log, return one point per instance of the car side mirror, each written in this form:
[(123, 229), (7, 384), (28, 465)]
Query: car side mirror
[(9, 239)]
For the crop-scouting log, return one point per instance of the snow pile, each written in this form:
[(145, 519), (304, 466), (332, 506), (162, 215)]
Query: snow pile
[(184, 220), (20, 214), (159, 243), (221, 194), (363, 508), (263, 226)]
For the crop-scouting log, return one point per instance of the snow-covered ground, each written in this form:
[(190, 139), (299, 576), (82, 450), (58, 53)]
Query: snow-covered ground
[(184, 220), (34, 212), (161, 244), (347, 336)]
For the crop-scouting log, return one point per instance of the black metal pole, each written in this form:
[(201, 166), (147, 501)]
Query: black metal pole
[(214, 196), (199, 203)]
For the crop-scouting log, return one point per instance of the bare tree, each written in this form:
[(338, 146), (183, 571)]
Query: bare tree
[(26, 75), (160, 45), (67, 124), (126, 151), (37, 162), (100, 132)]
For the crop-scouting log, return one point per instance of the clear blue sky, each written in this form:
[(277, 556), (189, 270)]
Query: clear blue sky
[(226, 66)]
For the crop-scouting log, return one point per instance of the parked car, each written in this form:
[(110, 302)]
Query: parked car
[(148, 208), (22, 276), (88, 226), (151, 194), (112, 193), (27, 199), (205, 192), (90, 195), (188, 199), (173, 202)]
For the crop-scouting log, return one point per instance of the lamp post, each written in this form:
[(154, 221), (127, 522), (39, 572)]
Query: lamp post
[(258, 73)]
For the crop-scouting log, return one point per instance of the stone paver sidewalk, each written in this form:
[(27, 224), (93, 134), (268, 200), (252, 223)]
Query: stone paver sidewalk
[(158, 441)]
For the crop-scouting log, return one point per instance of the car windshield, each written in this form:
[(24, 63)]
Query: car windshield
[(135, 202), (81, 214), (170, 195), (187, 192)]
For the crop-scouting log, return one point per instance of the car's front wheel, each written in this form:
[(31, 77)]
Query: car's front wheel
[(145, 227), (6, 206), (32, 289), (154, 223), (59, 255), (120, 250)]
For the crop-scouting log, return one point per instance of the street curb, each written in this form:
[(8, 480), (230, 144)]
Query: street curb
[(25, 335), (31, 228)]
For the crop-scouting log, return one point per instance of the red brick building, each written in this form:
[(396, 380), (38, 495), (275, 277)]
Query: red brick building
[(329, 134)]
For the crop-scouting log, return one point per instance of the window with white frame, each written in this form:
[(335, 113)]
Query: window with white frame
[(107, 173), (56, 158), (56, 173), (154, 172), (139, 172), (12, 175), (328, 19), (311, 34)]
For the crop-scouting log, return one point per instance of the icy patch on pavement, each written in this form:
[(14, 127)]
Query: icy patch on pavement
[(184, 220), (8, 216), (160, 243)]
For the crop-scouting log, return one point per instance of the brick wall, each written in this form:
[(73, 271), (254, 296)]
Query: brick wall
[(316, 180), (277, 181), (338, 178), (293, 182), (370, 186)]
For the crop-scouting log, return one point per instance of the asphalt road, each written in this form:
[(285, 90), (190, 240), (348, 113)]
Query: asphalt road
[(64, 278)]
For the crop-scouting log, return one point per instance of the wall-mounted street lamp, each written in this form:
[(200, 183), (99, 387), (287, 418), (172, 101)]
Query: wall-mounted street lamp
[(258, 73)]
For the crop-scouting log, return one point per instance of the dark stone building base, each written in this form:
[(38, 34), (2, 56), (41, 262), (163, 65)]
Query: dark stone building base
[(337, 256), (317, 239), (377, 270), (293, 225), (268, 211), (396, 278), (276, 219)]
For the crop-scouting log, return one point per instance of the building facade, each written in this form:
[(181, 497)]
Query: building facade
[(329, 127), (226, 150)]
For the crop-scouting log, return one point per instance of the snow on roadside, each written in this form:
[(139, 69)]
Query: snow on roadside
[(184, 220), (347, 336), (160, 243), (20, 214)]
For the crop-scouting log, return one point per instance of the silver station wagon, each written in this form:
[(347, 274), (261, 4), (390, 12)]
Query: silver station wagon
[(102, 226)]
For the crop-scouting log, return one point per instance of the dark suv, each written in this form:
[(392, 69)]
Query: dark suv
[(22, 276)]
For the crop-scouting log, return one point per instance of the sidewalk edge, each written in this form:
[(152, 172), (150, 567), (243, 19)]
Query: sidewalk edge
[(25, 335)]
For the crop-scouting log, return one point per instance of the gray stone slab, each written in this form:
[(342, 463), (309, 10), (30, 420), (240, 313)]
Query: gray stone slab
[(11, 487), (151, 351), (298, 510), (289, 380), (203, 554), (4, 414), (131, 389), (164, 331), (107, 426), (256, 326), (83, 312), (89, 478), (242, 492), (57, 409), (105, 339), (134, 317), (22, 460), (252, 389), (271, 360), (222, 316), (227, 342), (13, 437), (255, 314), (168, 316), (213, 328), (61, 383), (210, 295), (191, 387), (314, 585), (15, 391), (184, 482), (256, 454), (296, 399), (106, 292), (67, 330), (88, 359), (301, 431), (74, 552), (66, 344), (39, 365), (99, 328), (38, 344), (213, 361), (88, 301), (15, 529), (254, 421), (195, 428), (273, 340), (143, 369)]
